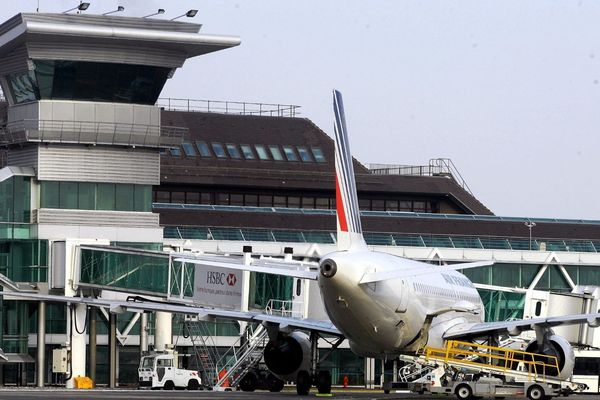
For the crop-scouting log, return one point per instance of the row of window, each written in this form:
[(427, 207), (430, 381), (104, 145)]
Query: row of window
[(249, 152), (444, 292), (95, 196), (289, 201)]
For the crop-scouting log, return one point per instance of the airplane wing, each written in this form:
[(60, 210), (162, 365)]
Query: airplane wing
[(416, 268), (513, 328), (120, 306), (266, 265)]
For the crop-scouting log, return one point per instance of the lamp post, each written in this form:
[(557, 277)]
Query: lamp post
[(530, 225), (189, 14)]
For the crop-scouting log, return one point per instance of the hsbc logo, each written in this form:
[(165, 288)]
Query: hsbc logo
[(220, 278)]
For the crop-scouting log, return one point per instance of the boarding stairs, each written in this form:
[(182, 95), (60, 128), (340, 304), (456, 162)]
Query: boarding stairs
[(244, 355), (516, 364), (205, 349)]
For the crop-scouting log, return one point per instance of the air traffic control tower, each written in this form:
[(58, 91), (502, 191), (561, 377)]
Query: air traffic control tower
[(82, 137)]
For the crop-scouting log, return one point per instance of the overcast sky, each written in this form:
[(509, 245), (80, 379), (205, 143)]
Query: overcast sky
[(509, 90)]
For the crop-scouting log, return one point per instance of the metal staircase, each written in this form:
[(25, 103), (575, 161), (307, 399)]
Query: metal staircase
[(244, 355), (205, 349), (227, 370)]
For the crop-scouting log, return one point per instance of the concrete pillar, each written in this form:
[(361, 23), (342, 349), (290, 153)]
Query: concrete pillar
[(369, 373), (41, 345), (395, 373), (92, 332), (78, 342), (143, 332), (112, 351), (382, 376), (162, 331)]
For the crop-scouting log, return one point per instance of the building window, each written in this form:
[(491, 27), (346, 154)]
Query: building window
[(247, 151), (251, 200), (192, 197), (279, 201), (236, 199), (175, 152), (265, 200), (304, 154), (318, 153), (261, 151), (378, 205), (322, 203), (206, 198), (406, 205), (203, 149), (276, 153), (219, 150), (290, 154), (391, 205), (233, 151), (223, 199), (188, 149), (308, 202), (163, 196), (178, 197), (364, 204)]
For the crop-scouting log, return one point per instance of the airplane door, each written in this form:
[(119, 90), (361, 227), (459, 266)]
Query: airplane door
[(403, 301)]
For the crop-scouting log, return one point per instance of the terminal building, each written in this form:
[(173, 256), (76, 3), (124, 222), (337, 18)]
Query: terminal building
[(101, 179)]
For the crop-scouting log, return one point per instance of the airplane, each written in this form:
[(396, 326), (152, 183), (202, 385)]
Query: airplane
[(384, 305)]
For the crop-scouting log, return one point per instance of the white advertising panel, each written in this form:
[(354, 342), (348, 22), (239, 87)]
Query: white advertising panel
[(218, 287)]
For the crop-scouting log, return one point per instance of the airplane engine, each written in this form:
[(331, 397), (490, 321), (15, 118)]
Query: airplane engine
[(288, 354), (558, 347)]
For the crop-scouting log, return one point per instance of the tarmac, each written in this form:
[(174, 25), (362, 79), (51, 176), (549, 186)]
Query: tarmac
[(129, 394)]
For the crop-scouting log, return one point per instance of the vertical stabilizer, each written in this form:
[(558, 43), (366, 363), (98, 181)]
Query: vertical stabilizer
[(349, 230)]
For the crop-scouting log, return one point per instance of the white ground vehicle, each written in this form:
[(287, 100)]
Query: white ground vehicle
[(166, 370), (587, 369)]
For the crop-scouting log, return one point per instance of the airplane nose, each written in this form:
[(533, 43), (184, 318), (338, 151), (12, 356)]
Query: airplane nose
[(328, 268)]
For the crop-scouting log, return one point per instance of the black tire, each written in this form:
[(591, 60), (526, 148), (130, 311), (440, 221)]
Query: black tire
[(275, 384), (324, 382), (464, 392), (193, 385), (169, 385), (303, 383), (249, 382), (536, 392)]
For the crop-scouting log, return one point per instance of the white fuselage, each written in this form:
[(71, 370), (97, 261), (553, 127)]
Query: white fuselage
[(397, 315)]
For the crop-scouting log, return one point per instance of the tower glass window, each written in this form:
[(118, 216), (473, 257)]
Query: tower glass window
[(276, 153), (261, 151), (233, 151), (318, 153), (219, 150), (188, 149), (304, 154), (247, 151), (203, 149), (290, 154)]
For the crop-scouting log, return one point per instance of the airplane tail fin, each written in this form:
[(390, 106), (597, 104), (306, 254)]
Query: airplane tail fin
[(349, 229)]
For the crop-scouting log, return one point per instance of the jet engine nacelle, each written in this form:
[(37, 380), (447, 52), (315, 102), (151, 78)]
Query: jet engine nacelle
[(288, 354), (558, 347)]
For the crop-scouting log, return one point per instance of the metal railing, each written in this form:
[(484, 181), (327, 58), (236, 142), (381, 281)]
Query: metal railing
[(88, 132), (436, 167), (284, 308), (229, 107)]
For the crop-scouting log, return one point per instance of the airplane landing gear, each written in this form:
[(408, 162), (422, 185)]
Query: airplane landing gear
[(323, 382), (303, 383)]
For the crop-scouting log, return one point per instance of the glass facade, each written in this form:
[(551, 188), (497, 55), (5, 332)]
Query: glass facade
[(264, 287), (24, 260), (89, 81), (15, 199), (96, 196), (138, 272)]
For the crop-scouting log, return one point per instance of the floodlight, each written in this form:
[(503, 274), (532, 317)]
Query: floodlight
[(160, 11), (189, 14), (81, 7), (119, 9)]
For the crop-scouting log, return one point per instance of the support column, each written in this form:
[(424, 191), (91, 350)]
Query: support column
[(112, 351), (382, 376), (369, 373), (395, 377), (78, 343), (92, 332), (143, 332), (162, 331), (41, 345)]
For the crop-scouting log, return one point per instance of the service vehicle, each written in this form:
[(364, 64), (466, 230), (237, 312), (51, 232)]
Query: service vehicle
[(167, 370)]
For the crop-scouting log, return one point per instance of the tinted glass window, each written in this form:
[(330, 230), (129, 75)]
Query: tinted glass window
[(219, 150), (188, 149), (93, 81), (261, 151), (233, 151), (175, 152), (290, 154), (203, 149), (318, 153), (247, 151), (304, 154), (124, 197), (24, 87), (276, 153)]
